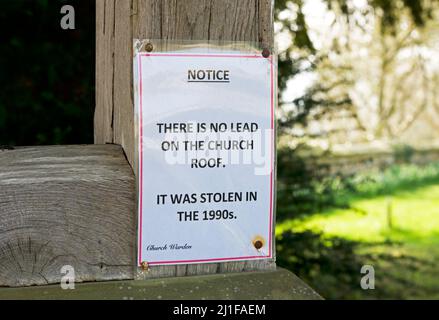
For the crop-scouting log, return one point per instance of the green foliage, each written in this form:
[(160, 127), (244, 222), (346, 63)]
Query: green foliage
[(404, 255), (331, 262), (391, 180), (330, 265), (304, 187), (403, 152), (300, 188)]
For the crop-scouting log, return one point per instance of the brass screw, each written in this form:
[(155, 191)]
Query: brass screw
[(144, 265), (265, 53), (149, 47)]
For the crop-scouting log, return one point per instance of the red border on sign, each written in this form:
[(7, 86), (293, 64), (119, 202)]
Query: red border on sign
[(270, 240)]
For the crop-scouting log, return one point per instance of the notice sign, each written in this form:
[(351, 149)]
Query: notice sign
[(205, 128)]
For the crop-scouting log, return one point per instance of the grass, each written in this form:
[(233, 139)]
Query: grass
[(394, 218)]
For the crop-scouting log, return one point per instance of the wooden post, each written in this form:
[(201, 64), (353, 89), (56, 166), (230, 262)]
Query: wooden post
[(118, 22)]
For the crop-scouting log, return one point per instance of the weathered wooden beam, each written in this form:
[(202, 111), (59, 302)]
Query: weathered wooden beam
[(66, 205), (118, 22), (280, 285)]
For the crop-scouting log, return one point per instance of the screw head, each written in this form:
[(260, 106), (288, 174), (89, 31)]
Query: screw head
[(258, 244), (149, 47), (144, 265), (266, 53)]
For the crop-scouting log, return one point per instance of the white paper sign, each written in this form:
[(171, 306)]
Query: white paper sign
[(206, 156)]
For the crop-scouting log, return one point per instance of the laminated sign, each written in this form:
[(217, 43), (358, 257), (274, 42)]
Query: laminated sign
[(205, 142)]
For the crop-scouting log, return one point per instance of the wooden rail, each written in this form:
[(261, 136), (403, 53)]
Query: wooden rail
[(75, 205), (66, 205)]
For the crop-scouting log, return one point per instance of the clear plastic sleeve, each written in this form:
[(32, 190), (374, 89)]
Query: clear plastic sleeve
[(205, 135)]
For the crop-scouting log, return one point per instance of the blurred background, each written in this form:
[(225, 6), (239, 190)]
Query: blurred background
[(46, 73), (358, 172), (358, 131)]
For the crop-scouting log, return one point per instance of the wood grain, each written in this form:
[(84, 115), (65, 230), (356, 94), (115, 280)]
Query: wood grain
[(103, 120), (66, 205), (277, 285), (118, 22)]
